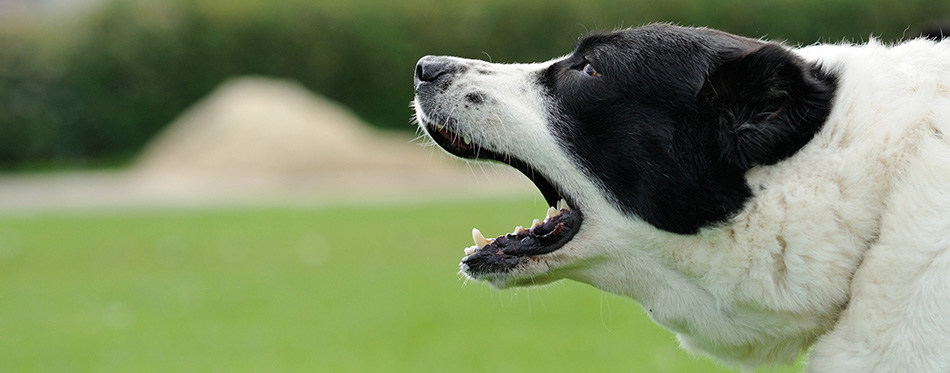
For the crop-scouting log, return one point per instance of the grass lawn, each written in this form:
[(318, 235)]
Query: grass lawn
[(331, 288)]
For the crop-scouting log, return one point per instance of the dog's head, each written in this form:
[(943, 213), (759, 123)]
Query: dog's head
[(645, 131)]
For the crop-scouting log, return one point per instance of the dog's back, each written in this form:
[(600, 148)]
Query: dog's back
[(898, 317)]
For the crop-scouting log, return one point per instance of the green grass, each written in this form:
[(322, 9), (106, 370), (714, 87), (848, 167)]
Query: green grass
[(332, 288)]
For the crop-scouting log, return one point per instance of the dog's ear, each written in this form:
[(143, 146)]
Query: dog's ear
[(762, 105)]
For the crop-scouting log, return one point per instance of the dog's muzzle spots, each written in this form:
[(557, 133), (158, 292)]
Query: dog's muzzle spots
[(476, 97)]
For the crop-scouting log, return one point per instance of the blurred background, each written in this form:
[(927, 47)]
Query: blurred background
[(195, 185)]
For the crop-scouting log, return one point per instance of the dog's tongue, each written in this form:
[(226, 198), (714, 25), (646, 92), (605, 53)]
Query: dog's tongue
[(501, 253)]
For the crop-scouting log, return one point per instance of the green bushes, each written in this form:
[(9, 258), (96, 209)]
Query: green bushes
[(99, 89)]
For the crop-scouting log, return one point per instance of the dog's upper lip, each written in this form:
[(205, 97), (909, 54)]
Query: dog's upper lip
[(459, 143), (464, 147)]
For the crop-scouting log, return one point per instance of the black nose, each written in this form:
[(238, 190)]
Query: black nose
[(430, 68)]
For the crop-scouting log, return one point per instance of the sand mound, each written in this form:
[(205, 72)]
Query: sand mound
[(264, 126)]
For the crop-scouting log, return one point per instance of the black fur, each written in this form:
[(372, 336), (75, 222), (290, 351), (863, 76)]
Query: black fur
[(677, 116), (763, 106)]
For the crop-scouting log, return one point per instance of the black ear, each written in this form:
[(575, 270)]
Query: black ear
[(763, 105)]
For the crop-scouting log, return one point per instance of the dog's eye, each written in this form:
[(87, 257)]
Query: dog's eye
[(590, 70)]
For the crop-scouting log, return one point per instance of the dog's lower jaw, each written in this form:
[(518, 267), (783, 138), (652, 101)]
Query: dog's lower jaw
[(531, 271)]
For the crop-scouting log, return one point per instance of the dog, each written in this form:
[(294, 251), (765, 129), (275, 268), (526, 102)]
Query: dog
[(756, 199)]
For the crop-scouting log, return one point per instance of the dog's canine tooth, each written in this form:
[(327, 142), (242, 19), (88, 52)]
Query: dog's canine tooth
[(552, 212), (479, 239)]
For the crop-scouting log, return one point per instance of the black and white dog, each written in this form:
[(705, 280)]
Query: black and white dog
[(755, 199)]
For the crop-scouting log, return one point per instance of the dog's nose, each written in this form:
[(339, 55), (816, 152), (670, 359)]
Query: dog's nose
[(430, 68)]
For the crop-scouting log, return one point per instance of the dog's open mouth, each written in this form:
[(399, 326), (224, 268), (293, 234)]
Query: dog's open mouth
[(505, 253)]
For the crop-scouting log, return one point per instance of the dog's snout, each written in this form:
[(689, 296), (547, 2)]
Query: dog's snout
[(430, 68)]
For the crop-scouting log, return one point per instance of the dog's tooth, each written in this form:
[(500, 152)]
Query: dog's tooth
[(536, 223), (470, 250), (552, 212), (562, 205), (520, 229), (479, 239)]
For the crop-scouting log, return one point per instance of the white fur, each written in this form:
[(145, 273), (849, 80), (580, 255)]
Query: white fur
[(844, 245)]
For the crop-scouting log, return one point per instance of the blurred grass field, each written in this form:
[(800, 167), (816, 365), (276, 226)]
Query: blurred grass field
[(320, 288)]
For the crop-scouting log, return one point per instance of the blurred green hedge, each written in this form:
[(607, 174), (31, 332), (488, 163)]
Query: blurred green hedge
[(97, 88)]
